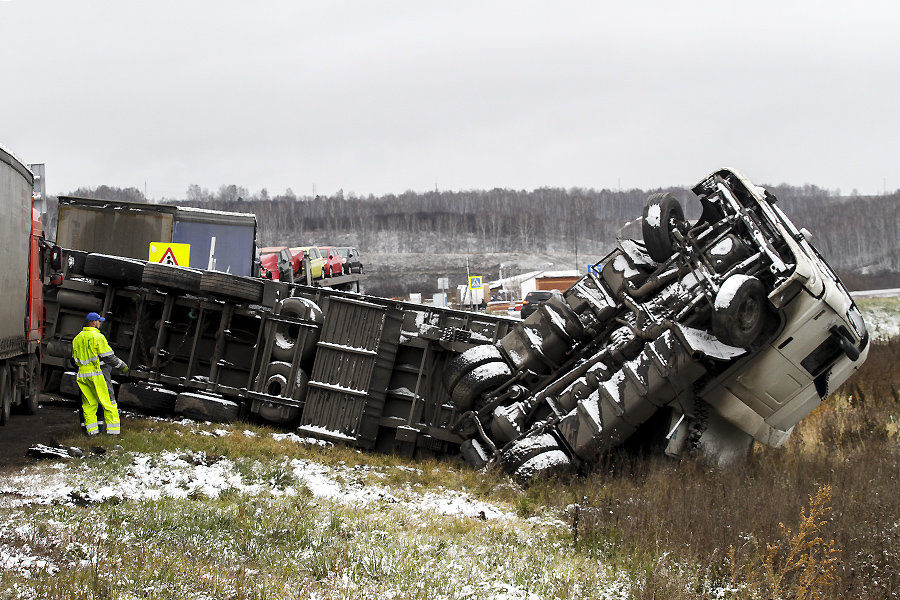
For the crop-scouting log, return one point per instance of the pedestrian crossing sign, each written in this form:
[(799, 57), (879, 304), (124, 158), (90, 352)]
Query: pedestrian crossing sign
[(167, 253), (475, 282)]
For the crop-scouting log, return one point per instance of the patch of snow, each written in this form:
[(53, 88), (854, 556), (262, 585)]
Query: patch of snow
[(654, 216), (621, 264), (293, 437), (722, 248), (726, 294)]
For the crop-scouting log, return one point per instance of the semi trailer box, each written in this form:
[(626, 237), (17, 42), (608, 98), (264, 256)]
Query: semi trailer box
[(221, 241)]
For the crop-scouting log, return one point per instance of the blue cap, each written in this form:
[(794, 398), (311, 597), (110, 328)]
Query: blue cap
[(93, 317)]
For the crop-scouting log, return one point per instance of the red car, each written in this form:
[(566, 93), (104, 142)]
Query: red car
[(277, 263), (334, 262)]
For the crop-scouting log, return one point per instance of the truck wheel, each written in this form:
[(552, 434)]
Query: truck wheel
[(118, 268), (68, 384), (33, 394), (277, 381), (547, 464), (523, 449), (204, 407), (231, 286), (145, 398), (662, 216), (169, 276), (478, 381), (6, 394), (462, 364), (534, 456), (739, 311), (288, 335)]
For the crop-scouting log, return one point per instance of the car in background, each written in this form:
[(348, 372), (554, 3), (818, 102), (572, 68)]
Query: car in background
[(278, 263), (535, 299), (352, 259), (316, 262), (334, 262)]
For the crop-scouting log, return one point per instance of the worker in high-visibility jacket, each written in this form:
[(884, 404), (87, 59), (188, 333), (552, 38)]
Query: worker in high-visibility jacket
[(96, 360)]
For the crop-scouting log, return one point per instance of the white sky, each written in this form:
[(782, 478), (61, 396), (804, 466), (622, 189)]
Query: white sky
[(378, 96)]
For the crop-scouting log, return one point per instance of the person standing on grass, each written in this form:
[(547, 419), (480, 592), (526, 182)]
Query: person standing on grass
[(89, 349)]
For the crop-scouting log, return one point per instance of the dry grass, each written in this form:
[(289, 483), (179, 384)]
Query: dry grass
[(819, 518)]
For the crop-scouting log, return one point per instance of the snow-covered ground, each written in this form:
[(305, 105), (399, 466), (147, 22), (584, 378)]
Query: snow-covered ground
[(882, 317)]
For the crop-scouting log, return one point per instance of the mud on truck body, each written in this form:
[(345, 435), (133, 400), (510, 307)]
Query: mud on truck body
[(709, 334), (706, 335)]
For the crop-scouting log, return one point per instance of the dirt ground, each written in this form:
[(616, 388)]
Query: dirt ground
[(56, 416)]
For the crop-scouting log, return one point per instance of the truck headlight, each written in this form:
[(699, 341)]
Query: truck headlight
[(856, 320)]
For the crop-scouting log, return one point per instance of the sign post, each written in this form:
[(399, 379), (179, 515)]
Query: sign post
[(476, 282)]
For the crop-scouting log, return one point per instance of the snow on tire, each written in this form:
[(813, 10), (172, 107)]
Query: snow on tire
[(739, 311), (464, 363), (204, 407), (276, 383), (478, 381), (662, 215), (147, 398), (523, 449), (288, 335), (546, 464)]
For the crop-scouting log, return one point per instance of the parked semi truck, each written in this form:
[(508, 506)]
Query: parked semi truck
[(21, 299), (704, 335)]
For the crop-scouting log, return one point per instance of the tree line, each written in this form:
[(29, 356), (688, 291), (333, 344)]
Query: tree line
[(857, 234)]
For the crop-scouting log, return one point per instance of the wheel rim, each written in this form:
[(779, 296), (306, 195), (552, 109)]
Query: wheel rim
[(748, 314)]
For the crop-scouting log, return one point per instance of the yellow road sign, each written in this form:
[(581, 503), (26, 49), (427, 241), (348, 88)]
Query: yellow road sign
[(168, 253), (475, 282)]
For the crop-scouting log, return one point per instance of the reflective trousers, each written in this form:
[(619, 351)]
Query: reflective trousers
[(96, 390)]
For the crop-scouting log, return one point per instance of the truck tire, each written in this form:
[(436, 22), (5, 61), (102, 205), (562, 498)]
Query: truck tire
[(148, 399), (231, 286), (739, 311), (662, 216), (524, 449), (6, 394), (33, 391), (68, 385), (204, 407), (276, 383), (546, 464), (118, 268), (288, 335), (169, 276), (478, 381), (464, 363)]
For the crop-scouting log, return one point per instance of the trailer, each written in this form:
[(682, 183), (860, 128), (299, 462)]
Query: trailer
[(224, 241), (703, 336), (21, 307)]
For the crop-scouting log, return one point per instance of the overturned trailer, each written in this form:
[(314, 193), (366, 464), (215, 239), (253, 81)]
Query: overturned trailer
[(704, 335)]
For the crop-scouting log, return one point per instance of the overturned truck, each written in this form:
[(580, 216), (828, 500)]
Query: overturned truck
[(703, 336)]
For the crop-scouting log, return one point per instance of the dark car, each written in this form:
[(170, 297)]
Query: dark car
[(535, 299), (352, 259)]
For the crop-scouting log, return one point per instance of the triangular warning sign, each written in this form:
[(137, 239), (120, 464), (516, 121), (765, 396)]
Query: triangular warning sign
[(168, 258)]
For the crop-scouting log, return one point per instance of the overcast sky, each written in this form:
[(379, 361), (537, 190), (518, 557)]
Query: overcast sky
[(379, 97)]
